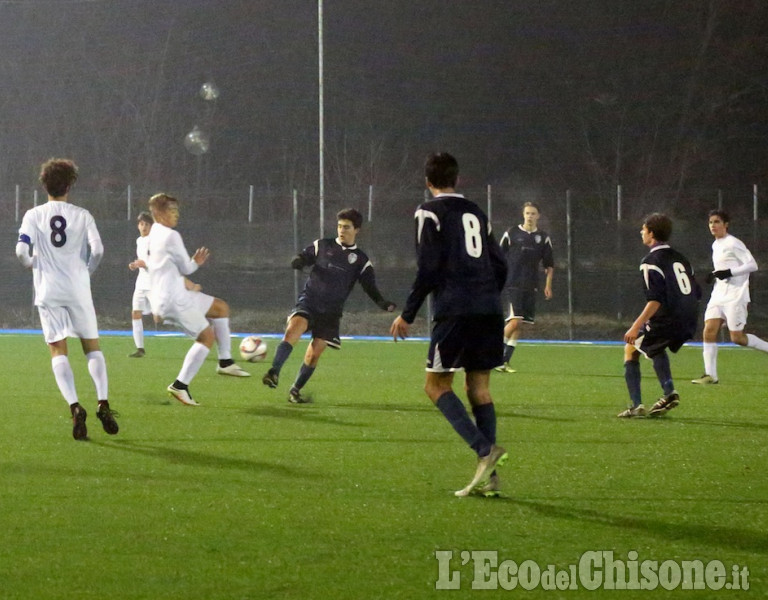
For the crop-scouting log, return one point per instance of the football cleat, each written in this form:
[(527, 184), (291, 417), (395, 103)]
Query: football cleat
[(270, 379), (664, 404), (705, 380), (107, 417), (485, 466), (233, 369), (505, 368), (138, 354), (79, 430), (490, 489), (632, 411), (295, 397), (182, 396)]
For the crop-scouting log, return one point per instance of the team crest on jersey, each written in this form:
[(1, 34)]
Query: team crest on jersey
[(352, 258), (537, 237)]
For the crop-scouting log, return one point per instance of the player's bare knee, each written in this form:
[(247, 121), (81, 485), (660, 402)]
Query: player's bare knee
[(739, 337)]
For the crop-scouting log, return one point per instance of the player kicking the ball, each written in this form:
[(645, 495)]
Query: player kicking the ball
[(176, 300), (668, 319), (337, 264)]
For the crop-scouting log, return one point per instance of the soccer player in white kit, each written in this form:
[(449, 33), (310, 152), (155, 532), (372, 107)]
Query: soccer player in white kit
[(733, 263), (60, 235), (177, 300), (140, 304)]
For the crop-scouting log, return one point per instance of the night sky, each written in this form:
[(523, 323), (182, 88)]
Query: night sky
[(665, 97)]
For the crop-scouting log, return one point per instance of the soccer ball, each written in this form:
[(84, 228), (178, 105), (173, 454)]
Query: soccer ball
[(253, 349)]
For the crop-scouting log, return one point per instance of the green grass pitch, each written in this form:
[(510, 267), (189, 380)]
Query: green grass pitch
[(248, 496)]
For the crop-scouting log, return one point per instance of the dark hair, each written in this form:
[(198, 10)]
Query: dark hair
[(660, 225), (145, 217), (160, 202), (720, 213), (350, 214), (441, 170), (57, 176)]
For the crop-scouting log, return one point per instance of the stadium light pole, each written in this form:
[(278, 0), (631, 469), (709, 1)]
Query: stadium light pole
[(321, 136)]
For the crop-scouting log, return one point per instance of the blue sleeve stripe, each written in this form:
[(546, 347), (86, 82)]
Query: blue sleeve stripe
[(24, 238)]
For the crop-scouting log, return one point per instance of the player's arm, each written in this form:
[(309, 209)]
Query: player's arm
[(185, 263), (305, 258), (428, 260), (548, 282), (747, 264), (651, 307), (192, 286), (368, 283), (498, 260), (548, 262), (23, 253), (94, 243)]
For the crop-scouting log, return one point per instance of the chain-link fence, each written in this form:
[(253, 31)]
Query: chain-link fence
[(253, 233)]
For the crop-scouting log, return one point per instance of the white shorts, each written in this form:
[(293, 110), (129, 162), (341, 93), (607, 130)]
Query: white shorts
[(140, 301), (734, 314), (190, 317), (61, 322)]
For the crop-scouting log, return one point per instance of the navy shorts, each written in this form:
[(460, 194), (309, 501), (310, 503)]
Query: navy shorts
[(322, 326), (522, 304), (654, 340), (470, 342)]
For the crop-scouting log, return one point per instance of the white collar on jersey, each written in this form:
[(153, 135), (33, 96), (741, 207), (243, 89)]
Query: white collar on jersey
[(660, 246), (444, 194), (526, 231), (343, 247)]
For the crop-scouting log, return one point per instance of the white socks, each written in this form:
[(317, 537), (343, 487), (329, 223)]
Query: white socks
[(97, 367), (138, 332), (192, 362), (755, 342), (65, 379), (710, 359), (223, 337)]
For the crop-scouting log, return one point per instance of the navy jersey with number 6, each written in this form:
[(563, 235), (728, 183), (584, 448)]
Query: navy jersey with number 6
[(669, 280), (458, 260)]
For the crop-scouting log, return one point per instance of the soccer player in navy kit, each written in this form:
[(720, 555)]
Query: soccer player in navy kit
[(668, 320), (461, 264), (526, 247), (337, 264)]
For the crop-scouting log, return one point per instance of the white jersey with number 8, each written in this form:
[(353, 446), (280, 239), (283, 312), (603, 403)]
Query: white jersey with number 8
[(60, 235)]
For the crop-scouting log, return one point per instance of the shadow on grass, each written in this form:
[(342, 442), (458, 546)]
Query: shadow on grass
[(415, 407), (721, 423), (193, 458), (718, 536), (299, 413)]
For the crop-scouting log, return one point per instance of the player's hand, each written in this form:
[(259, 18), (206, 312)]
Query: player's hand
[(399, 328), (630, 336), (201, 255), (723, 274), (710, 278), (387, 305), (297, 263), (548, 293)]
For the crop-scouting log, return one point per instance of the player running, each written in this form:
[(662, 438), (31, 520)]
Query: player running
[(729, 301), (61, 235), (461, 264)]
